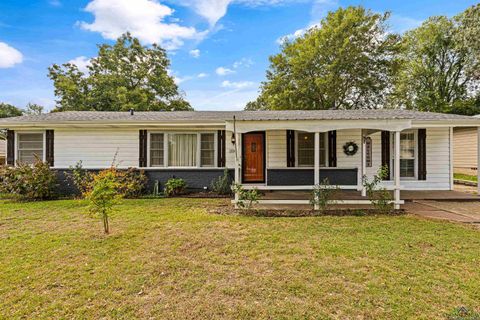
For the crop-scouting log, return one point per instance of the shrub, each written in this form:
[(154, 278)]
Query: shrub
[(380, 197), (102, 193), (80, 177), (28, 182), (175, 187), (222, 184), (322, 195), (246, 197)]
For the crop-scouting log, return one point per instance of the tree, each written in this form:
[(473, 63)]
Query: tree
[(440, 65), (33, 109), (346, 62), (123, 76), (8, 110)]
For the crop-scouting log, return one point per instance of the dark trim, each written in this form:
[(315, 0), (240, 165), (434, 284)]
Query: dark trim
[(49, 147), (264, 156), (290, 148), (10, 147), (386, 151), (221, 146), (422, 154), (332, 148), (305, 177), (142, 159)]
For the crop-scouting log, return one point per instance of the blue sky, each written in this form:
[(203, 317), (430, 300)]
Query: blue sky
[(219, 49)]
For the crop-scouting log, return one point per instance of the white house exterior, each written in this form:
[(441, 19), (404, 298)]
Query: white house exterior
[(3, 150), (270, 150)]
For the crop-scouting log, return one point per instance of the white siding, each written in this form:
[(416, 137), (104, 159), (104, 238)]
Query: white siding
[(96, 147), (229, 150), (465, 147), (277, 149)]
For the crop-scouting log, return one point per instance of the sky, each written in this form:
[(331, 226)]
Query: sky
[(218, 49)]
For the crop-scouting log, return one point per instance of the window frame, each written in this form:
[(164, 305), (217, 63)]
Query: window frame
[(17, 144), (198, 151), (415, 147), (325, 137)]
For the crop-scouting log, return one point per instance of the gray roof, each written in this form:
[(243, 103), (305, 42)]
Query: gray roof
[(212, 116)]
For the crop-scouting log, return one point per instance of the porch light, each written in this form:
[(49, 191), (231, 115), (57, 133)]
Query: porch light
[(233, 138)]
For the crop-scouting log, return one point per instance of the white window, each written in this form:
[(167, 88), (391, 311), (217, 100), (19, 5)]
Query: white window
[(30, 147), (157, 154), (207, 149), (171, 149), (408, 152), (306, 149)]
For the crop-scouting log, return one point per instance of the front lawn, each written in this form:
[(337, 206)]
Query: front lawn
[(170, 258)]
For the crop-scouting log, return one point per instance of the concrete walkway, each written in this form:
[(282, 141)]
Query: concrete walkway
[(464, 212)]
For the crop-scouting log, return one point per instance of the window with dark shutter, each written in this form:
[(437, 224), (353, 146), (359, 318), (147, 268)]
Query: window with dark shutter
[(332, 148), (386, 151), (142, 159), (422, 154), (221, 141), (11, 147), (49, 144), (290, 148)]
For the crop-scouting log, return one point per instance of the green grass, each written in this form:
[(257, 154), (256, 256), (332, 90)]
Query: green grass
[(467, 177), (171, 258)]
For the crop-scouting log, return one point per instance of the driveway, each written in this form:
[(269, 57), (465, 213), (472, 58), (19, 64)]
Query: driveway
[(457, 211)]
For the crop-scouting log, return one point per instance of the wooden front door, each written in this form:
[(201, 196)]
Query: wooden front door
[(253, 154)]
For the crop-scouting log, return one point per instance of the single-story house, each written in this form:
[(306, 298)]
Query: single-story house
[(465, 151), (3, 150), (268, 150)]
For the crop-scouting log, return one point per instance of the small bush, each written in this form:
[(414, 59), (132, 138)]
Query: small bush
[(380, 197), (28, 182), (175, 187), (80, 177), (322, 195), (246, 198), (222, 185)]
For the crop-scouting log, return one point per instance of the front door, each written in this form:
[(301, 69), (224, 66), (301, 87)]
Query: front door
[(253, 154)]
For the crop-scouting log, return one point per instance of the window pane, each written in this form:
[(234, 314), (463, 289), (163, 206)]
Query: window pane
[(306, 149), (407, 155), (30, 147), (207, 149), (323, 150), (407, 168), (182, 150), (156, 149)]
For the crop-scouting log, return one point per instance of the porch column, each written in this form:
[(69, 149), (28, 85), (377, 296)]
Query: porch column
[(397, 170), (316, 167), (238, 156), (364, 163), (478, 160)]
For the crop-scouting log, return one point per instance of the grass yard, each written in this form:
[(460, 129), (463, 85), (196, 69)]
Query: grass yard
[(467, 177), (170, 258)]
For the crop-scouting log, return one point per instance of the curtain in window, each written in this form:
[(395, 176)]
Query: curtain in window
[(30, 146), (182, 150)]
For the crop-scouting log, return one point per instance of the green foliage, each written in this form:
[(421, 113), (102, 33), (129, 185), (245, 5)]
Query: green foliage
[(102, 195), (246, 198), (380, 197), (28, 182), (463, 313), (347, 62), (439, 65), (80, 177), (33, 109), (222, 184), (123, 76), (8, 110), (175, 187), (322, 195)]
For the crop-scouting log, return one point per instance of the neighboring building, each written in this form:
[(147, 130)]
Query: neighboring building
[(269, 150), (465, 148), (3, 151)]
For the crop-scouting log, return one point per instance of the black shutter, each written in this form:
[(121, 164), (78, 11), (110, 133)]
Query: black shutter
[(386, 151), (11, 147), (142, 159), (422, 154), (332, 148), (49, 142), (221, 140), (290, 148)]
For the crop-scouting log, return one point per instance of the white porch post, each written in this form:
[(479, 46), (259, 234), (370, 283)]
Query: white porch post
[(364, 163), (316, 167), (397, 170), (238, 157), (478, 160)]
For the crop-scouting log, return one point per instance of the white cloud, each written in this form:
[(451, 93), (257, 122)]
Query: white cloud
[(9, 56), (55, 3), (195, 53), (202, 75), (81, 62), (220, 99), (244, 62), (237, 85), (222, 71), (143, 18)]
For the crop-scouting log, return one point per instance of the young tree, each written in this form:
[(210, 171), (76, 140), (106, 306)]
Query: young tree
[(8, 110), (123, 76), (440, 63), (346, 62), (34, 109)]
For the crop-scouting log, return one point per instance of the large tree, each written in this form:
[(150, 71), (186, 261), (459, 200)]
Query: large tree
[(346, 62), (440, 65), (8, 110), (123, 76)]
